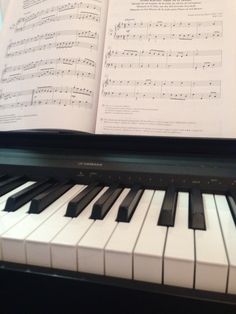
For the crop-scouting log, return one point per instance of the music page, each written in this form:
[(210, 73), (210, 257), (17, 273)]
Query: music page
[(50, 64), (169, 69)]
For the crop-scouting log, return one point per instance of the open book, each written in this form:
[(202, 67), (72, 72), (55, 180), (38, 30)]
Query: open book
[(129, 67)]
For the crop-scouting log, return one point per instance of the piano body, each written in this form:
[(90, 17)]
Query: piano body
[(171, 250)]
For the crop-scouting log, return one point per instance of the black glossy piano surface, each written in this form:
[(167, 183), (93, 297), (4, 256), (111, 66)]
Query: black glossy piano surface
[(151, 163)]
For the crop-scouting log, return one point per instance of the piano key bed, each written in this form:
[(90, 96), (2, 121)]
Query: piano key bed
[(169, 241), (137, 248)]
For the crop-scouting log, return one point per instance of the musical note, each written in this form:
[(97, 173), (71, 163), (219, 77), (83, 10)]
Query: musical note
[(48, 90), (52, 40), (203, 65), (172, 90), (47, 72), (57, 9), (190, 36), (167, 31), (144, 59), (167, 24), (163, 53), (54, 35), (47, 102), (150, 82), (79, 11), (48, 62), (48, 95), (57, 45), (170, 96), (81, 16)]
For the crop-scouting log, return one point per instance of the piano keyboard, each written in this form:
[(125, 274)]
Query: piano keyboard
[(172, 237)]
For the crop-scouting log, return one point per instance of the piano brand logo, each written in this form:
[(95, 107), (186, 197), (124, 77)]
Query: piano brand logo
[(90, 164)]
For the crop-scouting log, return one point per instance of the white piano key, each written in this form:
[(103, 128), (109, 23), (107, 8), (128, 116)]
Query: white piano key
[(38, 242), (11, 219), (4, 198), (179, 251), (13, 241), (229, 234), (148, 252), (91, 247), (119, 250), (211, 259), (64, 245)]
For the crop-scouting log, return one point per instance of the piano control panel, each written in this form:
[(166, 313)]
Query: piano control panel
[(150, 171)]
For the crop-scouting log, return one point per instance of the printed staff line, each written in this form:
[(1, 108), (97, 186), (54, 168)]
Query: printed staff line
[(172, 36), (82, 16), (47, 72), (58, 9), (47, 90), (57, 45), (168, 24), (163, 53), (149, 82), (31, 3), (171, 96), (47, 36), (166, 65), (47, 102), (57, 61)]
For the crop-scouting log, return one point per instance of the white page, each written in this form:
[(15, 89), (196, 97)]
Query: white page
[(3, 6), (169, 69), (50, 64)]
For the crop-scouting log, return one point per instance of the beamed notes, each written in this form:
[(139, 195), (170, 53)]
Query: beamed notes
[(49, 95), (165, 67), (161, 59), (130, 67), (50, 67), (57, 44), (172, 90)]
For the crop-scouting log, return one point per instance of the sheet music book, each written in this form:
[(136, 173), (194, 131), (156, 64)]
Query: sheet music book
[(124, 67)]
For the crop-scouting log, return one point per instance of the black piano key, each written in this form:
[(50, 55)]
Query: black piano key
[(232, 204), (19, 199), (71, 208), (168, 209), (43, 200), (77, 205), (129, 204), (196, 211), (10, 184), (105, 202)]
